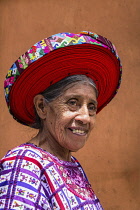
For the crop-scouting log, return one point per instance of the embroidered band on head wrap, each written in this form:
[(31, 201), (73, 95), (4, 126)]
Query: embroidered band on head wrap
[(54, 58)]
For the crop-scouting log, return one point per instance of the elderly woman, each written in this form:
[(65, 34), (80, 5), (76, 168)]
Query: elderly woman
[(57, 86)]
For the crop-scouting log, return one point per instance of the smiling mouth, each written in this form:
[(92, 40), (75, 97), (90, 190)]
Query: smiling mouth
[(78, 132)]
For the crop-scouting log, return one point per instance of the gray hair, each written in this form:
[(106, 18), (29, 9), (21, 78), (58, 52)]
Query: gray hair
[(57, 89)]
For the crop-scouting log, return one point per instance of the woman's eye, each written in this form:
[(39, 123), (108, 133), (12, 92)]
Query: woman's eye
[(92, 108), (72, 102)]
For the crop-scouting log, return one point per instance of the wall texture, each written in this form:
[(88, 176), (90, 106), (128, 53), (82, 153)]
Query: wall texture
[(111, 156)]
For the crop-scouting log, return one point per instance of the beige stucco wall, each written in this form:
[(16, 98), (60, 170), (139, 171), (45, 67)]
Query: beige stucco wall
[(111, 156)]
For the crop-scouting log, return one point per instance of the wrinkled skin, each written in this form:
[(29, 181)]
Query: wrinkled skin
[(67, 121)]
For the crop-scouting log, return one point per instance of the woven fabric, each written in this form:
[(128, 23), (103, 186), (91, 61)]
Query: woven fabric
[(32, 178)]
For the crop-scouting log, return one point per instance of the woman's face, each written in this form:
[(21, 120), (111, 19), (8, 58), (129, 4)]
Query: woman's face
[(71, 117)]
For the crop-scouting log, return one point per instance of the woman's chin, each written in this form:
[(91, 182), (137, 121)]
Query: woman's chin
[(76, 141)]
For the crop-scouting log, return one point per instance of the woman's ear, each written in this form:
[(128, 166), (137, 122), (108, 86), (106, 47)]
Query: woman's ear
[(40, 106)]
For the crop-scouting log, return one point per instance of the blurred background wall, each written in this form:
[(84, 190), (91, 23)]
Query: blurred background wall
[(111, 156)]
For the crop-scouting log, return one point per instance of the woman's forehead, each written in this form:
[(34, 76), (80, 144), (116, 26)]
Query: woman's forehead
[(82, 89)]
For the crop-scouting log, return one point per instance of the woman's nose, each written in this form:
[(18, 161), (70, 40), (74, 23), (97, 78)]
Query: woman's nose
[(83, 115)]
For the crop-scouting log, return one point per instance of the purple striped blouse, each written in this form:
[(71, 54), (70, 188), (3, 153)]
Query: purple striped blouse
[(31, 178)]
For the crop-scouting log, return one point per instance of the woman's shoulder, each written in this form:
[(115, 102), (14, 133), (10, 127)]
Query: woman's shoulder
[(29, 153)]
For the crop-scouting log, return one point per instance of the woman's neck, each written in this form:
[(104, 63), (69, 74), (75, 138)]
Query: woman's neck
[(51, 146)]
